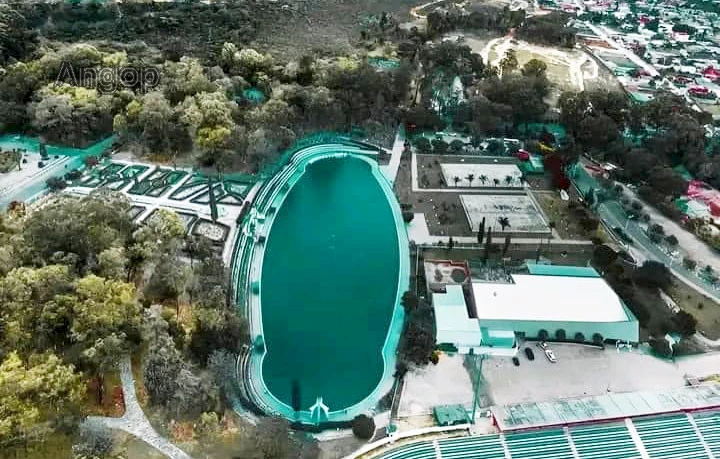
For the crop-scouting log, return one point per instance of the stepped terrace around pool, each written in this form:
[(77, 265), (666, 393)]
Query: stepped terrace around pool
[(320, 267)]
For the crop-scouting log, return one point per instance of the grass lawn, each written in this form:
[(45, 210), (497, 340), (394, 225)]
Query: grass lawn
[(55, 445), (705, 310), (556, 210)]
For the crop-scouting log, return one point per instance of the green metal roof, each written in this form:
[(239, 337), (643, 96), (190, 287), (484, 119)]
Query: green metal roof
[(662, 437), (556, 270)]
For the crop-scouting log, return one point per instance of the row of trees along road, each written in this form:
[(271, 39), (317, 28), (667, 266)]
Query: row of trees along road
[(648, 141)]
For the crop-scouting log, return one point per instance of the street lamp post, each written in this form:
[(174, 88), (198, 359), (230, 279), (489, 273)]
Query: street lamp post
[(476, 391)]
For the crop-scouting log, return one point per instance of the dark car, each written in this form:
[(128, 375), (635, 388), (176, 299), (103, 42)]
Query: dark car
[(516, 361), (622, 235), (529, 353)]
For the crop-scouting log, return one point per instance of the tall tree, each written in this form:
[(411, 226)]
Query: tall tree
[(34, 394)]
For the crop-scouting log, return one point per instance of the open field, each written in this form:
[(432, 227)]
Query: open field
[(320, 25), (556, 210), (705, 310), (566, 69)]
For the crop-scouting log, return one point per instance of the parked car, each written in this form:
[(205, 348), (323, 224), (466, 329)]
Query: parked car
[(516, 361), (550, 355), (529, 353), (542, 344)]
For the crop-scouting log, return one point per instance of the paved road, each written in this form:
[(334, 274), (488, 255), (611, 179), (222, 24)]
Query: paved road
[(694, 246), (612, 213)]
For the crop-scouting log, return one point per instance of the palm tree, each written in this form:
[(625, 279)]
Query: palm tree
[(496, 181), (504, 222), (483, 179), (456, 179), (508, 180), (470, 178)]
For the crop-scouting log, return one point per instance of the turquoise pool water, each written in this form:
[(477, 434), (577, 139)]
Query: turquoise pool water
[(330, 276)]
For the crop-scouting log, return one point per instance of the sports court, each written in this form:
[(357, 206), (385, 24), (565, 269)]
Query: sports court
[(520, 210)]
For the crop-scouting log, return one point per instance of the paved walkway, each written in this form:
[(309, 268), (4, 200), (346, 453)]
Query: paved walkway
[(134, 420), (391, 169)]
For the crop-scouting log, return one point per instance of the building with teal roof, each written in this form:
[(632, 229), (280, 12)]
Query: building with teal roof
[(549, 302)]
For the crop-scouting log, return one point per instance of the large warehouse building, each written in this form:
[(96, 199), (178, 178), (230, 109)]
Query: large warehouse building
[(549, 302)]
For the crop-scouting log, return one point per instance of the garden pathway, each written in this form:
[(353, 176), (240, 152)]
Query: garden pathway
[(134, 420), (391, 169)]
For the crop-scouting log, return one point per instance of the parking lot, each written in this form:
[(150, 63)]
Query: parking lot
[(579, 371)]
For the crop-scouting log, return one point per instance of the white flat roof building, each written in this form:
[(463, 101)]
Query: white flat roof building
[(549, 298), (563, 303)]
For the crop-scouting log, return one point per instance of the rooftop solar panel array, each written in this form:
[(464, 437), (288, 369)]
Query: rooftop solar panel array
[(610, 441), (670, 437)]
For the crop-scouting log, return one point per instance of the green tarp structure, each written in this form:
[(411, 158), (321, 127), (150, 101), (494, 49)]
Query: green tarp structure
[(254, 95), (450, 415)]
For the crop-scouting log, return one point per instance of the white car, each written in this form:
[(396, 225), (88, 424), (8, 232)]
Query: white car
[(550, 355)]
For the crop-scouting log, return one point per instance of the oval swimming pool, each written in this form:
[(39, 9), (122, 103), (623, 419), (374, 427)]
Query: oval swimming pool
[(330, 280)]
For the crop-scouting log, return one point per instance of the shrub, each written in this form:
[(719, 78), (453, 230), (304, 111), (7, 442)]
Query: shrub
[(56, 184), (579, 337), (457, 145), (363, 427), (440, 147), (73, 175), (689, 263), (408, 216), (423, 145), (661, 347), (652, 274), (598, 338), (684, 323), (543, 335), (560, 334), (435, 357), (604, 256)]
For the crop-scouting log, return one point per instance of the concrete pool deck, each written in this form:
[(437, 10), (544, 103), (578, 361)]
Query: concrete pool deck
[(247, 271)]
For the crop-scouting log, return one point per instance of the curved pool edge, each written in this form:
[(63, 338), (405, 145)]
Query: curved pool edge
[(259, 224)]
